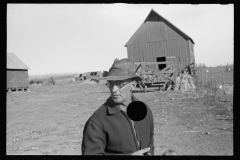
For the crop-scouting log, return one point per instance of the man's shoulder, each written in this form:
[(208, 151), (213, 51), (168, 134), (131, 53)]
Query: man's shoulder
[(100, 112)]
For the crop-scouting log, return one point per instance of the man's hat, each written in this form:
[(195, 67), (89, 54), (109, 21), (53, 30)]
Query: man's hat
[(121, 70)]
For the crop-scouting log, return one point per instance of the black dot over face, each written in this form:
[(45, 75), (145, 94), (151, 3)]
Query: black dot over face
[(136, 111)]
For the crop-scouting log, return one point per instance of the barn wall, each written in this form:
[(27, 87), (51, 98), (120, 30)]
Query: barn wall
[(17, 78), (149, 51), (138, 36), (191, 50), (152, 31), (135, 52), (155, 38)]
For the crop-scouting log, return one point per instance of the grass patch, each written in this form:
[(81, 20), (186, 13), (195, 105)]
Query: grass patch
[(214, 98)]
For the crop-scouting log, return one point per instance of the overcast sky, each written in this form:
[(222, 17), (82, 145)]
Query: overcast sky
[(67, 38)]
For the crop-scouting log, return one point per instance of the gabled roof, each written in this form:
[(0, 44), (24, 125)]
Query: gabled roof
[(13, 62), (154, 12)]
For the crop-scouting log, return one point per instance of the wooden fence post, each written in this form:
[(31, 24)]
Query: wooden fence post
[(206, 76), (211, 75), (197, 76), (223, 79), (201, 77), (216, 82), (211, 79)]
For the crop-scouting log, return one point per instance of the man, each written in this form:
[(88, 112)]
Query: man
[(109, 131)]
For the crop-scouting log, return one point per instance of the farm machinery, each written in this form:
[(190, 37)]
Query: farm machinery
[(161, 78)]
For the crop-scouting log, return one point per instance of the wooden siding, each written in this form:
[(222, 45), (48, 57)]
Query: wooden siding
[(191, 48), (152, 32), (156, 37), (17, 78), (160, 40), (149, 51)]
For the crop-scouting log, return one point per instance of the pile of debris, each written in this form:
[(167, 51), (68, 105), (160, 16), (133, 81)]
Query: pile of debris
[(184, 82), (51, 81)]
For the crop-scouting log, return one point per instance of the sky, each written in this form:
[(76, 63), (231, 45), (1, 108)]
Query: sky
[(75, 38)]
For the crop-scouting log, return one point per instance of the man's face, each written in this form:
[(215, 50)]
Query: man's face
[(120, 90)]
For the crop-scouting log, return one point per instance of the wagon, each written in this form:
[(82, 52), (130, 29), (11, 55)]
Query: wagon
[(93, 75), (161, 78), (80, 77)]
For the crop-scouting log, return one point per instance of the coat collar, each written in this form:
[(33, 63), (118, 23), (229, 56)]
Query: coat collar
[(113, 107)]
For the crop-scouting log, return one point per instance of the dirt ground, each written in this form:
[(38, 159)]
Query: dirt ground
[(49, 120)]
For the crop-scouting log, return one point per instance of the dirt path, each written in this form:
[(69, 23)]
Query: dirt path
[(49, 120)]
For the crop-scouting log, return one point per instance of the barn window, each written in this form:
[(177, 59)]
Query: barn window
[(161, 59)]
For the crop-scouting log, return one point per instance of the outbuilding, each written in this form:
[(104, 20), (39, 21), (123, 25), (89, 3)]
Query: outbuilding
[(158, 40), (17, 73)]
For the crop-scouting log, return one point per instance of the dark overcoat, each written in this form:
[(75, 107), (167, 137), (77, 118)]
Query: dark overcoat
[(110, 131)]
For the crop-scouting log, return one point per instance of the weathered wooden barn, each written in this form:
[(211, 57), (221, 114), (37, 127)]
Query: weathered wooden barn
[(17, 73), (158, 40)]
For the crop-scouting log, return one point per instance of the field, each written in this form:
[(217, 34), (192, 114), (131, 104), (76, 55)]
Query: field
[(49, 120)]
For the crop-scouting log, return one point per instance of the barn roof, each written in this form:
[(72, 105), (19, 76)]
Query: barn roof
[(13, 62), (154, 12)]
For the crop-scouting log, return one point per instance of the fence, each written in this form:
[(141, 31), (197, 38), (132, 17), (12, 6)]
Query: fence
[(208, 76)]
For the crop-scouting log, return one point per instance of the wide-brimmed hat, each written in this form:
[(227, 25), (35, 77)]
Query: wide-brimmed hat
[(122, 69)]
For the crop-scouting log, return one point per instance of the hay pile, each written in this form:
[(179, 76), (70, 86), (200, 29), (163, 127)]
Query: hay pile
[(184, 82)]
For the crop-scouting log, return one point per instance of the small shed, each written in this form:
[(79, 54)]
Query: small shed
[(17, 73), (158, 40)]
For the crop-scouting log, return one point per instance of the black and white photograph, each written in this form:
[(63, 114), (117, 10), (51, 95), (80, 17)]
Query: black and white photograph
[(119, 79)]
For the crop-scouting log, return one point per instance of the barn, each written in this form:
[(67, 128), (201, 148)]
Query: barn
[(17, 73), (158, 40)]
